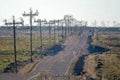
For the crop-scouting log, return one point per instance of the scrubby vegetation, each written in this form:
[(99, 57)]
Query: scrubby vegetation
[(58, 77), (23, 49), (105, 66), (107, 39)]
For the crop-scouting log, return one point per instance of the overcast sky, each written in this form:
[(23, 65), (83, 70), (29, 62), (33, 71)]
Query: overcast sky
[(90, 10)]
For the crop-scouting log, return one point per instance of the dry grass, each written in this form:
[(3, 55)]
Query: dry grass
[(110, 66), (28, 67), (23, 48), (107, 39), (59, 77), (106, 65), (89, 66)]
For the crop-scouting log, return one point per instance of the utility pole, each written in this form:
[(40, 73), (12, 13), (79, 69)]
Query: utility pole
[(58, 24), (31, 15), (53, 22), (54, 33), (49, 33), (62, 22), (39, 21), (62, 30), (68, 26), (14, 23), (50, 24), (67, 19), (71, 25), (65, 29)]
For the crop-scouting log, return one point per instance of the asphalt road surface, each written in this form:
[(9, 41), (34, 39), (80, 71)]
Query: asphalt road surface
[(54, 65)]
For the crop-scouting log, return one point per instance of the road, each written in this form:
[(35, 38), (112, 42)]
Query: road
[(55, 65)]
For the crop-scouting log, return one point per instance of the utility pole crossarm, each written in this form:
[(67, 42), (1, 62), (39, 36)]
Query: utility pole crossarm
[(39, 21), (35, 14), (26, 14), (10, 23), (31, 13)]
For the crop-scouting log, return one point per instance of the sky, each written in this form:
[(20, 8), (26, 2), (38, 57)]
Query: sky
[(88, 10)]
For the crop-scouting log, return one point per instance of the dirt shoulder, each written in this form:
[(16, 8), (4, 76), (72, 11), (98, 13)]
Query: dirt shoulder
[(29, 67)]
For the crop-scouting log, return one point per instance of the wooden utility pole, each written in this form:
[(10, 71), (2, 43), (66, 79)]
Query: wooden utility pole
[(54, 33), (67, 19), (62, 24), (50, 23), (14, 23), (39, 21), (58, 25), (31, 15), (49, 34), (54, 26), (65, 31)]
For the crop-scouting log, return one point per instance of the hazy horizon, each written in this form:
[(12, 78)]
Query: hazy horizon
[(88, 10)]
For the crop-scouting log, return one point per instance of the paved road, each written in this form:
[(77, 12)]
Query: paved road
[(54, 65)]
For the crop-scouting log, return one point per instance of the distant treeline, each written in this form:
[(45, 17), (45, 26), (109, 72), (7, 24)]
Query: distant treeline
[(37, 28), (23, 28), (26, 28), (109, 29)]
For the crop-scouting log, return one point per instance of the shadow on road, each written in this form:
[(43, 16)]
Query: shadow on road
[(54, 50)]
